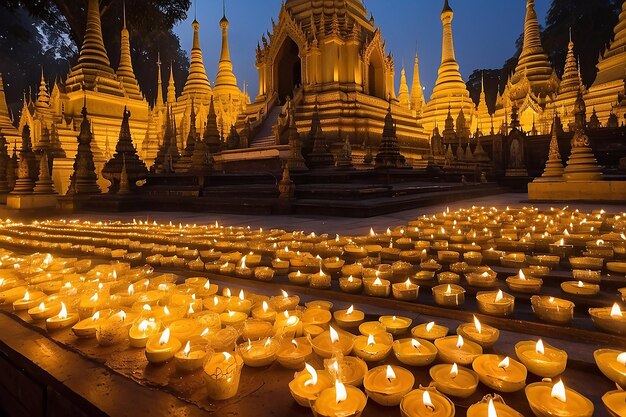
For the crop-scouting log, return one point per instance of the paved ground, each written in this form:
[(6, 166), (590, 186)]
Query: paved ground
[(327, 224)]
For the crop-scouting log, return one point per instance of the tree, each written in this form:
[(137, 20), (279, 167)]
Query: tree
[(150, 23)]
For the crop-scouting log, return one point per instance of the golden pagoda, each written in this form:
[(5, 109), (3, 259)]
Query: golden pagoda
[(6, 122), (331, 53), (417, 93), (404, 98), (125, 73), (609, 83), (571, 85), (450, 93), (482, 111)]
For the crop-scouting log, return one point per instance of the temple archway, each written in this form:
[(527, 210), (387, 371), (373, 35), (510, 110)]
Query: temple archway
[(375, 77), (287, 69)]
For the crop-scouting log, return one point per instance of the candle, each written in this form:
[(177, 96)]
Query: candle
[(293, 354), (376, 287), (288, 326), (233, 318), (190, 358), (29, 300), (239, 303), (216, 304), (610, 319), (612, 363), (263, 273), (522, 284), (373, 348), (395, 324), (429, 331), (316, 316), (426, 402), (259, 353), (348, 369), (298, 278), (405, 291), (141, 331), (541, 359), (371, 327), (351, 285), (547, 400), (161, 347), (615, 403), (453, 349), (580, 288), (222, 375), (322, 304), (552, 310), (285, 301), (449, 295), (88, 327), (500, 373), (340, 401), (386, 385), (485, 336), (61, 320), (349, 318), (264, 312), (490, 408), (495, 303), (307, 385), (44, 310), (415, 352), (331, 342), (454, 380), (484, 279), (320, 280)]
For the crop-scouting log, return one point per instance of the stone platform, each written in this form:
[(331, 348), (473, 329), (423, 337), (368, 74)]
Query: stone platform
[(596, 191), (31, 201)]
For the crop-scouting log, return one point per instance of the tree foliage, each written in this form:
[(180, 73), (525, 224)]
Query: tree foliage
[(53, 31)]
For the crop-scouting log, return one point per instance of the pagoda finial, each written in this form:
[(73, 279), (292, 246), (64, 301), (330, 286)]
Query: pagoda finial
[(125, 71), (197, 81), (124, 12)]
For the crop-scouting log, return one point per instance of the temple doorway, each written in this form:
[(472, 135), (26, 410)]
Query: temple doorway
[(288, 70), (376, 80)]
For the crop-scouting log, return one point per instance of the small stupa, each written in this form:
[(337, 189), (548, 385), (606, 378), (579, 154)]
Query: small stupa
[(295, 161), (84, 180), (320, 156), (389, 155), (26, 168), (554, 166), (4, 163), (212, 137), (44, 184), (344, 160)]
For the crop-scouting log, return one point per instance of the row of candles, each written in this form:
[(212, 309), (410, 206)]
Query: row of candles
[(198, 329)]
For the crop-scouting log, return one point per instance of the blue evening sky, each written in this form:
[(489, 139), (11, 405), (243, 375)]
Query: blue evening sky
[(484, 33)]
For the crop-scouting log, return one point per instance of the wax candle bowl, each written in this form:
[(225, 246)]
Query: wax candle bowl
[(587, 275), (609, 364), (615, 403), (395, 324), (353, 406), (371, 327), (481, 279), (415, 352), (545, 361), (385, 389), (580, 288), (550, 261), (544, 404), (552, 310), (293, 354), (486, 337), (451, 351), (457, 382), (514, 260), (586, 262), (500, 409), (616, 266), (495, 303), (259, 353), (326, 347), (449, 295), (509, 377), (222, 374), (412, 404), (448, 278), (305, 394), (606, 319), (348, 370), (373, 348), (429, 331)]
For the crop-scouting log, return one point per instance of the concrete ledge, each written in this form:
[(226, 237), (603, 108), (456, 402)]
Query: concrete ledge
[(577, 191), (31, 201)]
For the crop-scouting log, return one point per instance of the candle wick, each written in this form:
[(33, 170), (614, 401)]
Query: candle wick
[(430, 408)]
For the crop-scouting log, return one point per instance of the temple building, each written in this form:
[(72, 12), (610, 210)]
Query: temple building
[(331, 55), (6, 119), (450, 94)]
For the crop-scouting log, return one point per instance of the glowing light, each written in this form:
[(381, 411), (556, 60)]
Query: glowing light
[(616, 312), (313, 373), (241, 295), (378, 281), (558, 391), (63, 313), (521, 275), (499, 296), (539, 348), (460, 342), (370, 340), (165, 337), (207, 286), (506, 362), (285, 295), (131, 290), (621, 358), (340, 392), (334, 336), (390, 374), (454, 371), (491, 409), (430, 326), (479, 327), (350, 310), (415, 344), (427, 401)]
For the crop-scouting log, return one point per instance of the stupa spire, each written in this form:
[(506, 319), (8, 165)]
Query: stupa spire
[(482, 108), (571, 79), (403, 94), (225, 75), (125, 72), (171, 87), (43, 98), (159, 99), (93, 51), (197, 84), (4, 109), (417, 94)]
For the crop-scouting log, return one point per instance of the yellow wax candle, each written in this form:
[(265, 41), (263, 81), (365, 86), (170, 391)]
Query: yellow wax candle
[(485, 336), (332, 342), (615, 403), (454, 380), (45, 310), (426, 402), (580, 288), (395, 324), (449, 295), (495, 303), (307, 385), (264, 312), (547, 399), (259, 353), (612, 363), (217, 304), (141, 331), (351, 285), (285, 302), (88, 327), (429, 331), (415, 352), (317, 317), (293, 354), (454, 349), (233, 318), (523, 284), (62, 320), (405, 290), (500, 373), (298, 278), (190, 358), (386, 385), (541, 359), (339, 401), (373, 348), (490, 408), (161, 347), (222, 375), (371, 327), (349, 318), (552, 310), (610, 319), (376, 287), (348, 369), (29, 300)]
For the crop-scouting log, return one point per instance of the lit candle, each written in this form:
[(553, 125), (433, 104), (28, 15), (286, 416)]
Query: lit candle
[(307, 385), (373, 348), (610, 319), (429, 331), (405, 290), (340, 401), (612, 363), (500, 373), (263, 312), (235, 319), (29, 300), (222, 375), (449, 295), (523, 284), (541, 359), (386, 385), (285, 301), (331, 342), (415, 352), (61, 320), (485, 336), (259, 353), (293, 354), (161, 348), (426, 402), (454, 380), (547, 400), (348, 370), (88, 327), (141, 331), (490, 408), (45, 310), (580, 288), (349, 318), (395, 324), (495, 303), (190, 358), (453, 349), (376, 287), (351, 285), (552, 310)]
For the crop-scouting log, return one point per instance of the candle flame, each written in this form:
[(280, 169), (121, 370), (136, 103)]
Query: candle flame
[(506, 362), (187, 349), (430, 326), (340, 392), (143, 326), (227, 356), (42, 307), (166, 311), (616, 312), (294, 343), (479, 327), (408, 283), (207, 285), (372, 233), (415, 344), (581, 284), (621, 358), (558, 391), (521, 275), (131, 290), (267, 343), (165, 337), (499, 296), (491, 409), (292, 321), (551, 299), (265, 306), (334, 336), (539, 348), (227, 293), (243, 262), (378, 281), (449, 289), (313, 373), (390, 374), (350, 310), (241, 295), (205, 332), (454, 371), (27, 296), (216, 300), (427, 401), (370, 340), (460, 342), (63, 312), (285, 295), (94, 297)]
